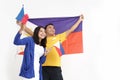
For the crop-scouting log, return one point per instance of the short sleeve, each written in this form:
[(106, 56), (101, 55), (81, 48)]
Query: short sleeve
[(62, 37)]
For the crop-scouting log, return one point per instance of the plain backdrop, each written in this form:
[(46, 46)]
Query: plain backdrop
[(101, 37)]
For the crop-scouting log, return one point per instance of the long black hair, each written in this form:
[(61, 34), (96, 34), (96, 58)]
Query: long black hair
[(36, 38)]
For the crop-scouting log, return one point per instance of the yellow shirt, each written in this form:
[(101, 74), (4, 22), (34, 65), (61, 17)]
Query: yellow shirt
[(53, 58)]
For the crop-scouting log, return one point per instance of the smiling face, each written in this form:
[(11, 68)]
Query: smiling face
[(41, 33), (50, 30)]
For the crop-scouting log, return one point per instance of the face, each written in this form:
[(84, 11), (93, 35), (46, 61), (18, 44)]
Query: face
[(50, 30), (42, 33)]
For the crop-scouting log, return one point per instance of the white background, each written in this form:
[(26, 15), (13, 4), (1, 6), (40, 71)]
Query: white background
[(101, 37)]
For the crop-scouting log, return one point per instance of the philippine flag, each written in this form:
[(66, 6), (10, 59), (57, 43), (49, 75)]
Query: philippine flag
[(22, 17), (73, 44)]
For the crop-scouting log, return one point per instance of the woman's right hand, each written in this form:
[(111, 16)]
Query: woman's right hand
[(19, 23), (22, 26)]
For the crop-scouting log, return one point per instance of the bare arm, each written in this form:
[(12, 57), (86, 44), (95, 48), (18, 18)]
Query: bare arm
[(75, 25), (30, 32), (26, 29)]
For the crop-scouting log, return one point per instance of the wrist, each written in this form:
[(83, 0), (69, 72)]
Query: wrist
[(20, 31)]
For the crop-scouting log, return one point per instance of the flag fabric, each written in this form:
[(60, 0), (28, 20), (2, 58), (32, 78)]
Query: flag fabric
[(25, 19), (20, 50), (59, 48), (73, 43), (20, 14), (22, 17)]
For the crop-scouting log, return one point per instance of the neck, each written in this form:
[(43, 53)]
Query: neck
[(39, 40), (51, 35)]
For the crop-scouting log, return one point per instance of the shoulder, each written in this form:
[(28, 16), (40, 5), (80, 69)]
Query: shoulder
[(61, 34), (29, 39)]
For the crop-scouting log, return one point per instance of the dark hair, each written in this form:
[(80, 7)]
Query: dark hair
[(48, 25), (36, 38)]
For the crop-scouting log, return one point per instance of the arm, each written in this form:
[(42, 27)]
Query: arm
[(42, 59), (26, 29), (75, 25), (17, 40)]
